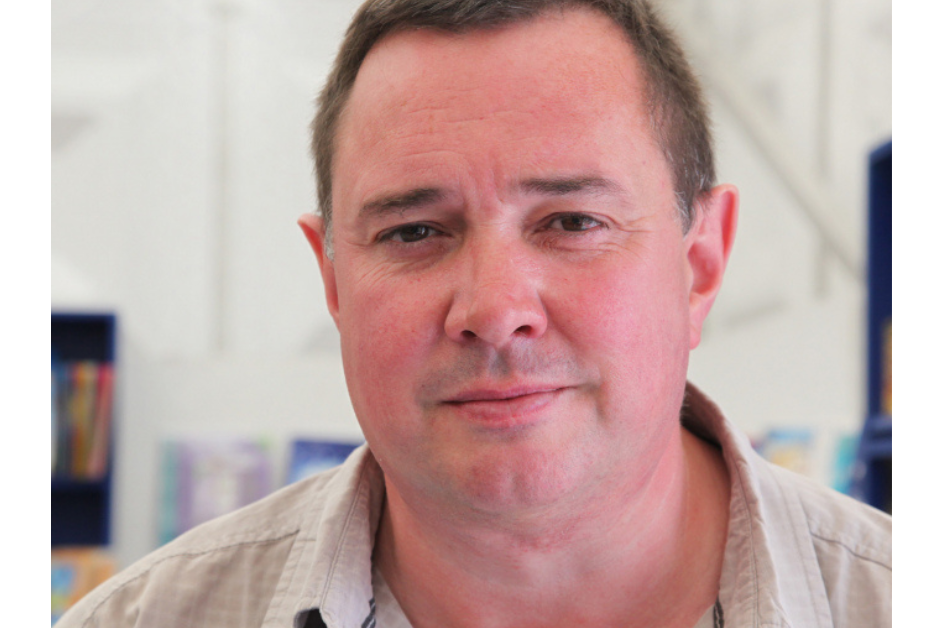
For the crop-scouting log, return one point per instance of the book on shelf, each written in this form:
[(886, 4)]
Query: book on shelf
[(204, 478), (789, 447), (313, 456), (101, 424), (887, 384), (55, 417), (844, 462), (81, 408), (82, 402), (75, 572)]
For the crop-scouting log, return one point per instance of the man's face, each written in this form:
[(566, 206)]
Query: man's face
[(510, 278)]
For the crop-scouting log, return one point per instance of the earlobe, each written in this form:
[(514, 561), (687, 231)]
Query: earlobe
[(314, 231), (709, 243)]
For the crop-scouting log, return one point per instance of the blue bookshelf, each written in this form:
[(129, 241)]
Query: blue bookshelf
[(874, 483), (81, 506)]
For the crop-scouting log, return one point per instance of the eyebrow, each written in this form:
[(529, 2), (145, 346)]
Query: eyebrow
[(411, 199), (571, 185), (559, 186)]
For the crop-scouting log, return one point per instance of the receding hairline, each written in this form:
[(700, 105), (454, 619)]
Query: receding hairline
[(556, 12)]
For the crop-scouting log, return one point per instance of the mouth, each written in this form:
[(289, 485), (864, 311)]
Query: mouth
[(496, 395), (504, 408)]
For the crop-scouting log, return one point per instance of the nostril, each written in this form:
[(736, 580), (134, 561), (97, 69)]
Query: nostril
[(496, 312), (523, 330)]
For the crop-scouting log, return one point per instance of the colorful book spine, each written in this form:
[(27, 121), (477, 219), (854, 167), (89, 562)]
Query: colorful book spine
[(887, 392), (83, 397), (101, 426)]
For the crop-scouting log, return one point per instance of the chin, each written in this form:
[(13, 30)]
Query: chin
[(507, 482)]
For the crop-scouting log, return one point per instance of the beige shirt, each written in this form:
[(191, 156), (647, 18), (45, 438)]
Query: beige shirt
[(797, 555)]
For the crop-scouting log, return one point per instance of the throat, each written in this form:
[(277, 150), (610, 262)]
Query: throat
[(658, 563)]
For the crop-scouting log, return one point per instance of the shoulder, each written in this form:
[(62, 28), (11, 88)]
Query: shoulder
[(833, 519), (233, 562), (853, 547), (857, 529), (819, 555)]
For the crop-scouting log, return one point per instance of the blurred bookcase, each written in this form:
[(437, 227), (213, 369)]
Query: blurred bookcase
[(83, 357), (874, 477)]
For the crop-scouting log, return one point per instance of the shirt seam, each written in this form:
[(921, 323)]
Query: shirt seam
[(787, 496), (854, 552), (181, 554)]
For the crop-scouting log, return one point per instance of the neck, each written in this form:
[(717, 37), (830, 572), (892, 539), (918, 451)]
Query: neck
[(653, 558)]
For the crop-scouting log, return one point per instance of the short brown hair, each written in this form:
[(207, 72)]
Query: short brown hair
[(679, 116)]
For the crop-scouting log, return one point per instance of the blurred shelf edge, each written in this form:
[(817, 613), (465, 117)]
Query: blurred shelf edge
[(74, 484), (874, 481), (877, 440)]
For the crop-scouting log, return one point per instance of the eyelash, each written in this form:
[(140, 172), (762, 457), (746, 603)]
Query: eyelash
[(396, 234), (391, 234), (597, 224)]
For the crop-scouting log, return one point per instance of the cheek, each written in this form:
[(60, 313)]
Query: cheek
[(634, 320), (387, 329), (623, 304)]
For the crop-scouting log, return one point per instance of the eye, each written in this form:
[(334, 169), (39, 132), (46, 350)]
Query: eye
[(408, 233), (575, 222)]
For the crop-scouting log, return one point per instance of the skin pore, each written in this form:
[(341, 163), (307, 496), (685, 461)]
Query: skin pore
[(516, 301)]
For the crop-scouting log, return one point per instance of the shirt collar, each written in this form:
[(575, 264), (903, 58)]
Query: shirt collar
[(328, 577), (770, 575)]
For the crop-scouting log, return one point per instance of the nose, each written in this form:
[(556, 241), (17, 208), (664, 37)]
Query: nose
[(497, 298)]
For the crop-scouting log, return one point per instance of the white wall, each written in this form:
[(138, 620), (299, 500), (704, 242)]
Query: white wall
[(180, 165), (801, 93)]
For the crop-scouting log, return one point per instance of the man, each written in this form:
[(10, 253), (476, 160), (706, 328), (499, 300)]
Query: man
[(520, 240)]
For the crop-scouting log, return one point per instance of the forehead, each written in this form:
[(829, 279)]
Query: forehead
[(507, 52), (544, 88)]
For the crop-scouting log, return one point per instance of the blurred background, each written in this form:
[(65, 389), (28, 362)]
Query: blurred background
[(180, 165)]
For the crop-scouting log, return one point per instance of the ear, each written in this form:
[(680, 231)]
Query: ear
[(708, 245), (313, 228)]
